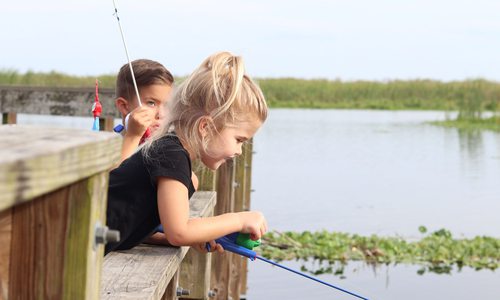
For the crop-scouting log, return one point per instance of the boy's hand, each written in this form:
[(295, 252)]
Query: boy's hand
[(254, 223), (140, 119)]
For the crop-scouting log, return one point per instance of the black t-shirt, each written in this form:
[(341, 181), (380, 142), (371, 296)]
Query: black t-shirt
[(132, 194)]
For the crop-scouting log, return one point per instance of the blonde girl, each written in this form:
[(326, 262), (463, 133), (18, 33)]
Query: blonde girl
[(213, 112)]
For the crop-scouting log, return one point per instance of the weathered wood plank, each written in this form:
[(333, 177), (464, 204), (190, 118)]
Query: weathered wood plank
[(66, 101), (83, 257), (53, 253), (247, 190), (9, 118), (140, 273), (225, 203), (38, 243), (195, 274), (5, 238), (171, 291), (36, 160), (145, 271), (195, 269), (206, 177), (236, 263)]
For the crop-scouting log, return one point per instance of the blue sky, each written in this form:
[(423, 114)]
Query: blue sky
[(347, 40)]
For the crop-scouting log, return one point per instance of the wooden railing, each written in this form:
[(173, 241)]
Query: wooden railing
[(53, 189), (52, 226)]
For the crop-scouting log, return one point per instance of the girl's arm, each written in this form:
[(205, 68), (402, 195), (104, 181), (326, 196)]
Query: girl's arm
[(173, 207)]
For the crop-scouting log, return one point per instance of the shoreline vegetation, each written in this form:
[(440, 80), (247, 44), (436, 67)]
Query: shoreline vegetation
[(436, 252), (471, 98), (477, 103)]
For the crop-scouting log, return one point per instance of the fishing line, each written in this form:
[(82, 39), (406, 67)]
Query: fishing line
[(309, 277), (242, 244), (126, 53)]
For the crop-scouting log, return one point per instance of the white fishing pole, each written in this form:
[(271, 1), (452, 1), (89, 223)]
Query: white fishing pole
[(128, 57)]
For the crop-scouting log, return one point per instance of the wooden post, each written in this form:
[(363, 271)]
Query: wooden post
[(221, 262), (53, 188), (106, 123), (171, 291), (9, 118), (195, 274), (246, 190), (5, 237), (196, 267), (206, 177), (236, 264)]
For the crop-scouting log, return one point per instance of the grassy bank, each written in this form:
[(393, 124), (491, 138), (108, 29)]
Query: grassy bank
[(470, 98), (437, 252), (291, 92)]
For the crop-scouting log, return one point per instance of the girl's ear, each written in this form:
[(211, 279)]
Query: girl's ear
[(204, 126), (122, 105)]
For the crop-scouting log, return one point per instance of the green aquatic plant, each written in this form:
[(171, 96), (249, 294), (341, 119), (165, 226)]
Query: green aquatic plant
[(437, 252)]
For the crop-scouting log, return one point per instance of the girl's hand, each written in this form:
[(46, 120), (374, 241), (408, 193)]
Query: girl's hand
[(202, 247), (254, 223)]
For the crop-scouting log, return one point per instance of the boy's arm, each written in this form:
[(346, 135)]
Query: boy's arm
[(138, 122), (129, 146)]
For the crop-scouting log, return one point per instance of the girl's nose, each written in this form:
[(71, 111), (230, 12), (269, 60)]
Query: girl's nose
[(239, 150)]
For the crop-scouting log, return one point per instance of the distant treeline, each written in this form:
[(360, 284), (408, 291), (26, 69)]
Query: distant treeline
[(470, 96)]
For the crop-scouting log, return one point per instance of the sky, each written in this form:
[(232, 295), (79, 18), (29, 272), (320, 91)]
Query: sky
[(346, 40)]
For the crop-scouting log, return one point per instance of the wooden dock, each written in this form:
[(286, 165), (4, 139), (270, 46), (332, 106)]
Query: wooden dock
[(53, 188)]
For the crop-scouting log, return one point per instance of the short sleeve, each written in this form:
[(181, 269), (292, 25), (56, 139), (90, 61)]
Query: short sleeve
[(167, 158)]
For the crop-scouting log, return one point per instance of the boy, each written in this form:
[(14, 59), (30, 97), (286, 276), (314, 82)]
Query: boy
[(154, 83)]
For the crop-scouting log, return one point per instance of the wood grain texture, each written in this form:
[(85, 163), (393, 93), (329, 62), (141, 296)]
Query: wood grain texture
[(225, 203), (9, 118), (247, 190), (145, 271), (53, 253), (83, 257), (5, 238), (38, 247), (36, 160)]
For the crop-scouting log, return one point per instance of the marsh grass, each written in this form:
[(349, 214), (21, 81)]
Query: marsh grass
[(31, 78), (471, 98)]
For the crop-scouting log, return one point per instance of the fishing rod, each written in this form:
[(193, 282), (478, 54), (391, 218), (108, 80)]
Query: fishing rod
[(241, 244), (126, 53), (119, 128)]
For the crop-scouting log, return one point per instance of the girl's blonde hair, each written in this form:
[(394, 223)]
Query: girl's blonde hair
[(219, 92)]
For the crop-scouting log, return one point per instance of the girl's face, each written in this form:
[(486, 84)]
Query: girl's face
[(228, 143)]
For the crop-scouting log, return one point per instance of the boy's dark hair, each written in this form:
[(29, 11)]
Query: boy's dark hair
[(147, 72)]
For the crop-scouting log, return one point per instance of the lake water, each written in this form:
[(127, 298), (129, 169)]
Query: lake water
[(369, 172), (375, 172)]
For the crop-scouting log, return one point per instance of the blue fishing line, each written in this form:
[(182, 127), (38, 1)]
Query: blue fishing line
[(309, 277)]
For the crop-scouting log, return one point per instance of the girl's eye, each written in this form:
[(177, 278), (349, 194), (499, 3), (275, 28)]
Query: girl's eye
[(151, 103)]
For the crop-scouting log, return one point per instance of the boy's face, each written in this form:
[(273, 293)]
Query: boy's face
[(155, 97)]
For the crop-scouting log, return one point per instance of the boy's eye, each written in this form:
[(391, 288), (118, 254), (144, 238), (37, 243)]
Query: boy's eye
[(151, 103)]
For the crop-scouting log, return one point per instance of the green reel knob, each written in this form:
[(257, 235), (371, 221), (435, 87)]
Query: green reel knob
[(244, 240)]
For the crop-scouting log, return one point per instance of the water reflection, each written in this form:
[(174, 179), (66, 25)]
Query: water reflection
[(388, 282), (375, 172), (471, 144)]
